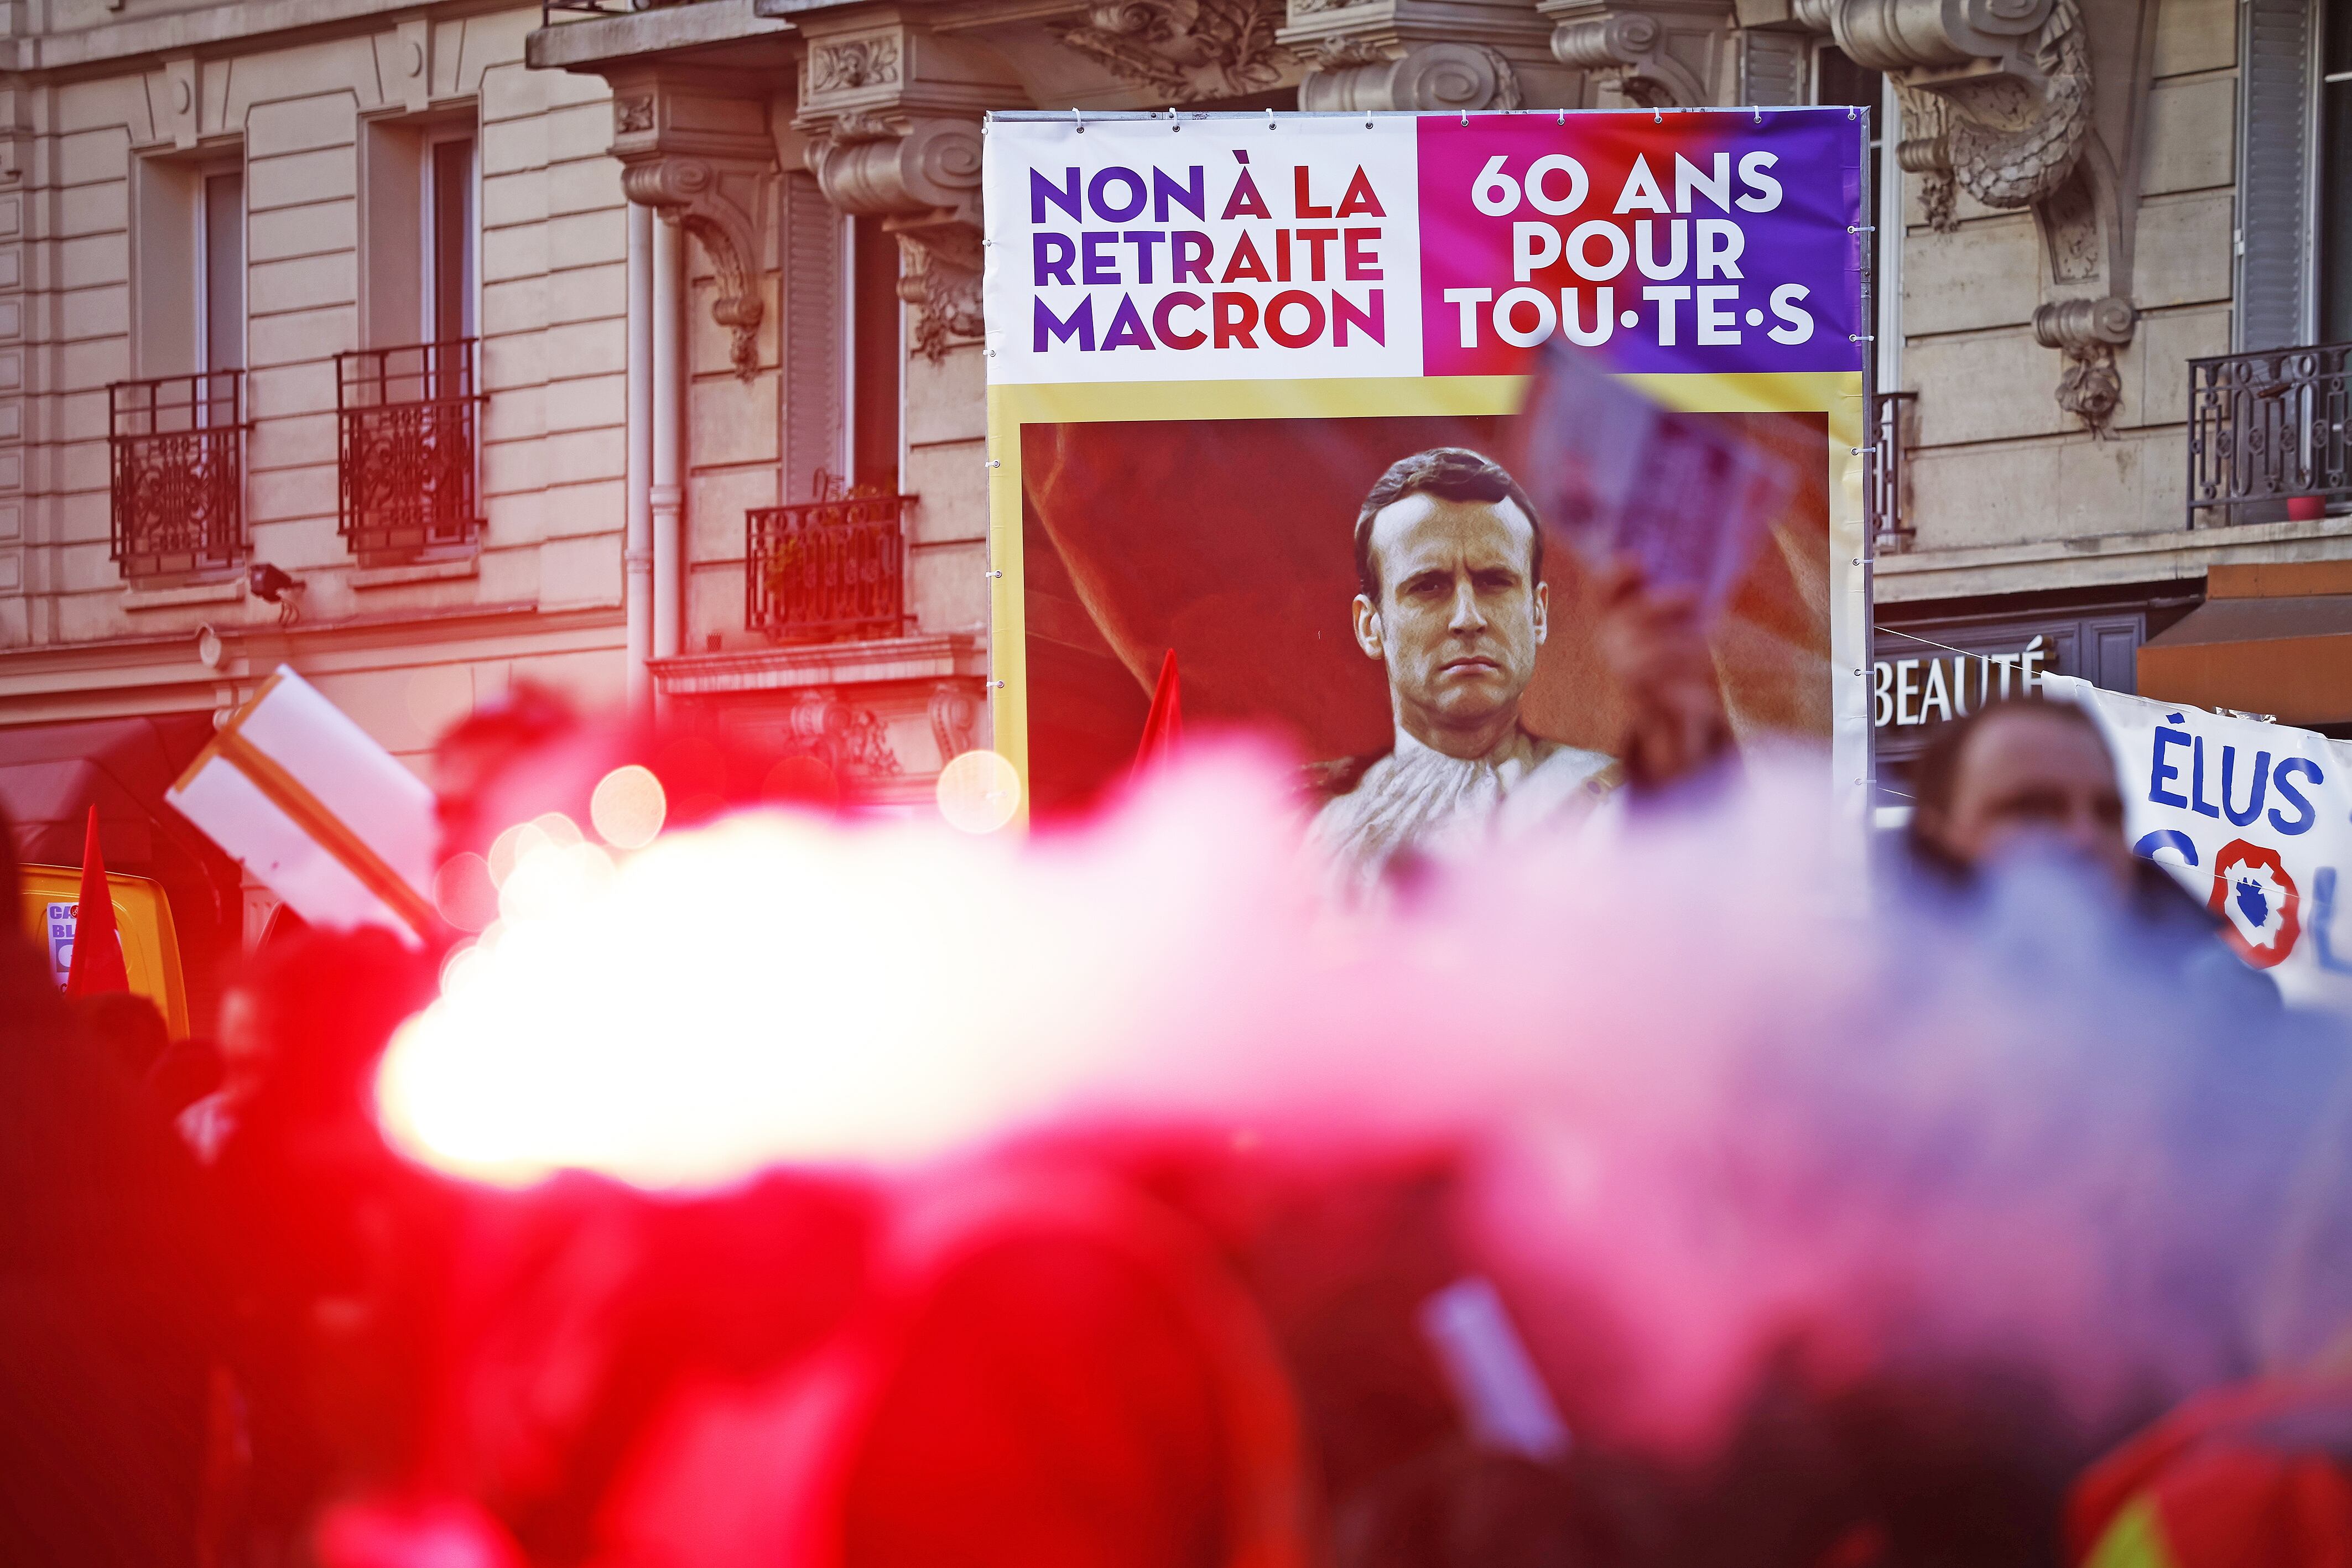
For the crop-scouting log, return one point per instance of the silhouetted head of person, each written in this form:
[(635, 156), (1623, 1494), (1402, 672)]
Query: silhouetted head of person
[(2019, 773), (126, 1025)]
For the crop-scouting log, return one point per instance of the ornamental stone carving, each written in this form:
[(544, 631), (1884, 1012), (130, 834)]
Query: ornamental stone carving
[(854, 63), (702, 158), (955, 711), (2009, 101), (2088, 332), (921, 174), (1659, 54), (853, 741), (1449, 57), (1185, 50), (1352, 75)]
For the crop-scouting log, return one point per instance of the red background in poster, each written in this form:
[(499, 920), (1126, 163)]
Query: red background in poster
[(1231, 540)]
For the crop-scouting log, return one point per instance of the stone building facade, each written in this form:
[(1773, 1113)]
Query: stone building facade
[(664, 321)]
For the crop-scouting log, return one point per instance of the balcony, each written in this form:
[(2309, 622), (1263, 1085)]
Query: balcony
[(2267, 436), (1892, 432), (829, 569), (177, 450), (409, 483)]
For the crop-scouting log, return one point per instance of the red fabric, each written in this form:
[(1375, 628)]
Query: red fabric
[(98, 946), (2241, 1478), (1163, 727)]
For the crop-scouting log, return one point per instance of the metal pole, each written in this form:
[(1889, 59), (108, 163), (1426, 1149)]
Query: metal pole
[(667, 493), (638, 550)]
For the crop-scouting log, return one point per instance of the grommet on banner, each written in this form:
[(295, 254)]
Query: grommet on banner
[(996, 463), (1853, 113), (1563, 118), (1079, 118), (1657, 117), (1269, 120), (999, 571), (1465, 119), (1760, 117)]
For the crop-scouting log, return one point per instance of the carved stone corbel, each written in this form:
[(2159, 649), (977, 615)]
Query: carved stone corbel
[(1182, 51), (1659, 54), (1354, 75), (1441, 55), (702, 158), (955, 713), (2088, 332), (2026, 104), (921, 175), (890, 112)]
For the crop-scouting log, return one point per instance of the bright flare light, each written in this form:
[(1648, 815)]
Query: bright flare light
[(629, 807), (1700, 1101), (979, 792)]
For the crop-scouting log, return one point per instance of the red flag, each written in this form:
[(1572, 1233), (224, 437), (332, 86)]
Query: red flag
[(1164, 726), (98, 948)]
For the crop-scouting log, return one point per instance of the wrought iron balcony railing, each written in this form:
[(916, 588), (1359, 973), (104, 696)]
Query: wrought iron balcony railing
[(2267, 437), (828, 568), (1891, 434), (408, 476), (177, 452)]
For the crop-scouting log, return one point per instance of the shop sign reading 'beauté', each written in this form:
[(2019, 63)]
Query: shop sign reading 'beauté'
[(1932, 689)]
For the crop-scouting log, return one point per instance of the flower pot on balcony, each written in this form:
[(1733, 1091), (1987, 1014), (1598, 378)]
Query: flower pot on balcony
[(2305, 508)]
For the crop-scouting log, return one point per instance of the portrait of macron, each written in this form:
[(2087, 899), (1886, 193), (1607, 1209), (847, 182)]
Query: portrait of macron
[(1451, 602)]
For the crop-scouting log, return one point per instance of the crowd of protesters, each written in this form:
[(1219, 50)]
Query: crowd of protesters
[(238, 1332)]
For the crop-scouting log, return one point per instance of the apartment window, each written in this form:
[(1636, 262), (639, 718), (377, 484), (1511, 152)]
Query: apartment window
[(408, 401), (829, 563), (449, 236), (220, 273), (2334, 172), (1837, 79), (175, 434), (877, 357)]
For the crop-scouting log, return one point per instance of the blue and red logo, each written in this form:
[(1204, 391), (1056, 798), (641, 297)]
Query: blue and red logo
[(2260, 911)]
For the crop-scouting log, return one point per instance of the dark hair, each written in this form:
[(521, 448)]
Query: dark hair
[(1938, 773), (1453, 473)]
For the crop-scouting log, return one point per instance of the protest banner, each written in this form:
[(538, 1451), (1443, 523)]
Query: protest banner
[(306, 800), (1209, 335), (2253, 819)]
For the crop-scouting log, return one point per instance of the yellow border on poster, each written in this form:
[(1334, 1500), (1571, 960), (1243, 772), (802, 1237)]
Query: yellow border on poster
[(1837, 393)]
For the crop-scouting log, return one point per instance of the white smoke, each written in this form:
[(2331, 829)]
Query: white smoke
[(1712, 1093)]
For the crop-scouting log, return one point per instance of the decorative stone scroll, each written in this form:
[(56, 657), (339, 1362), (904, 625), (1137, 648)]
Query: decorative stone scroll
[(922, 175), (1662, 55), (703, 160), (2002, 99), (1351, 74), (1185, 50), (2088, 332)]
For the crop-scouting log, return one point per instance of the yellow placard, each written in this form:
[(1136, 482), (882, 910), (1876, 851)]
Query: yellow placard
[(151, 946)]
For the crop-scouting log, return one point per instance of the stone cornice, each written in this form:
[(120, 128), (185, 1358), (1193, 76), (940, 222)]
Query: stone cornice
[(947, 655), (2100, 560), (140, 668), (591, 43), (211, 30)]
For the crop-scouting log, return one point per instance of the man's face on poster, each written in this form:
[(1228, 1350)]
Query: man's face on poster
[(1460, 616)]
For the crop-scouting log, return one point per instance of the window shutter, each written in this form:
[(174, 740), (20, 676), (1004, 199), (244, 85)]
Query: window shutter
[(2274, 174), (813, 327)]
